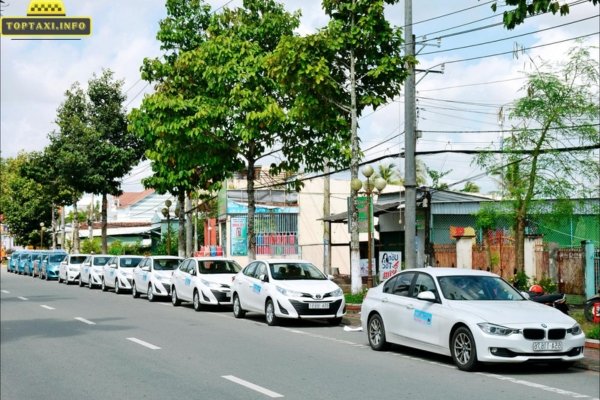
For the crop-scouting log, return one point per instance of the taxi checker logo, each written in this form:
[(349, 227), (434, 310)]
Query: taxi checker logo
[(46, 18)]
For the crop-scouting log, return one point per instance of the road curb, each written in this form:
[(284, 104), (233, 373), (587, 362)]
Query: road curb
[(592, 344)]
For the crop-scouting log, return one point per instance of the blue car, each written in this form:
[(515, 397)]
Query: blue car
[(23, 260), (35, 257), (13, 262), (51, 264)]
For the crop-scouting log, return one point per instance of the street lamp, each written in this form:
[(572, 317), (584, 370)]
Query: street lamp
[(369, 186), (167, 213), (42, 228)]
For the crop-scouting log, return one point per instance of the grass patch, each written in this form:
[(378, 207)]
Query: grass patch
[(355, 298)]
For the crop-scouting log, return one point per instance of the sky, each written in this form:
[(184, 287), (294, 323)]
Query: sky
[(456, 109)]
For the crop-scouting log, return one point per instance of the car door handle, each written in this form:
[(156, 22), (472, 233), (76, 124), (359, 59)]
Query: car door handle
[(410, 306), (384, 300)]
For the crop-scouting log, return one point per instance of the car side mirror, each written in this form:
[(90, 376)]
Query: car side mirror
[(330, 277), (263, 278), (427, 296), (145, 268), (526, 295), (63, 263), (112, 266)]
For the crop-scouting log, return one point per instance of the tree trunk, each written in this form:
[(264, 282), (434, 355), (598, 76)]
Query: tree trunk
[(188, 224), (250, 176), (356, 279), (181, 230), (104, 223), (75, 227), (520, 241)]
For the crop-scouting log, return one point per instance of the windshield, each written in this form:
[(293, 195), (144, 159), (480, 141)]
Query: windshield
[(166, 264), (129, 262), (295, 271), (218, 267), (77, 259), (477, 288), (56, 257), (101, 260), (36, 257)]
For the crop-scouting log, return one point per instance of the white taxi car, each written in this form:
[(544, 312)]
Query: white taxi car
[(70, 268), (287, 289), (118, 273), (473, 316), (153, 276), (92, 270), (203, 280)]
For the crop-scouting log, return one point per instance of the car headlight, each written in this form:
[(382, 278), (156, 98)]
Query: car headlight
[(574, 330), (337, 293), (210, 285), (499, 330), (288, 292)]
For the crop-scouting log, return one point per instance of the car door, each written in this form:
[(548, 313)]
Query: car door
[(427, 319), (257, 288), (188, 280), (395, 301), (176, 278), (140, 276), (243, 285), (85, 269)]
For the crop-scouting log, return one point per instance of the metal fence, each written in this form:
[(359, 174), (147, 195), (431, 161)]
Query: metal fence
[(276, 234)]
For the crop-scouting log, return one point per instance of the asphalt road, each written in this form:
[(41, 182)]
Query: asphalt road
[(66, 342)]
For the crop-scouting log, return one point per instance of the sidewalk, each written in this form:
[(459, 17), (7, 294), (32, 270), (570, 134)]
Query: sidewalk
[(590, 362)]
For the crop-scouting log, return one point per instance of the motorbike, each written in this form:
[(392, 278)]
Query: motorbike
[(556, 300), (591, 309)]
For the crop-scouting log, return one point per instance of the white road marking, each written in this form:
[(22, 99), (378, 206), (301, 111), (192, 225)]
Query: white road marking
[(252, 386), (47, 307), (5, 291), (22, 298), (85, 321), (538, 386), (142, 343)]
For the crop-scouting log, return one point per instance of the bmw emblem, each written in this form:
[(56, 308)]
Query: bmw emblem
[(544, 326)]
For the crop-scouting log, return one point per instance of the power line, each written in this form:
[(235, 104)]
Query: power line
[(504, 130), (473, 84), (449, 14)]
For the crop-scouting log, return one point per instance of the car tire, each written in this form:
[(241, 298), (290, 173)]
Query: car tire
[(376, 333), (151, 297), (117, 287), (80, 282), (46, 277), (59, 279), (463, 350), (238, 311), (90, 284), (335, 321), (174, 299), (196, 301), (270, 316), (104, 287), (134, 291)]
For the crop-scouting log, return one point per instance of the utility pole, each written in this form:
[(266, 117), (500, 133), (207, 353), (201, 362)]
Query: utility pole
[(410, 176), (188, 224)]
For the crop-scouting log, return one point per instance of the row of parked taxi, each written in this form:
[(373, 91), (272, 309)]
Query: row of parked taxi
[(277, 288)]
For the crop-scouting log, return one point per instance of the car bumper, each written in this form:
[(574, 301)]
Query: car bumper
[(296, 308), (215, 297), (125, 283), (95, 278), (517, 349), (51, 274), (72, 276), (161, 289)]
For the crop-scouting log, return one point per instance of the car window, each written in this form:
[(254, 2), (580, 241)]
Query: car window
[(77, 259), (249, 270), (295, 271), (185, 266), (218, 267), (101, 260), (261, 269), (403, 282), (388, 286), (423, 283), (129, 262), (165, 264), (469, 287), (56, 257)]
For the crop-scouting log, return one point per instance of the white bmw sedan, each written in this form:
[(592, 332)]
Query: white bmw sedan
[(70, 268), (118, 273), (287, 289), (472, 316), (153, 276), (92, 270), (203, 281)]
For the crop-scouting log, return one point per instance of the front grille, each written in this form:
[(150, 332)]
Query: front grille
[(534, 334), (557, 334), (302, 308), (221, 296)]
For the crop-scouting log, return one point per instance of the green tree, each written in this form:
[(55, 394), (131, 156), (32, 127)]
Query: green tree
[(556, 128), (470, 187), (116, 150), (527, 8), (389, 172), (353, 63), (436, 177)]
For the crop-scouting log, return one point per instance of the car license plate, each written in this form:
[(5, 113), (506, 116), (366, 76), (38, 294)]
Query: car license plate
[(547, 346), (318, 305)]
